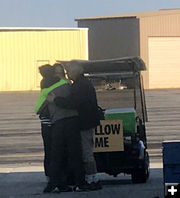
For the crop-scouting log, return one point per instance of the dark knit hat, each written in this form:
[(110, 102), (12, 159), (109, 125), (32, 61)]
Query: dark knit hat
[(46, 70)]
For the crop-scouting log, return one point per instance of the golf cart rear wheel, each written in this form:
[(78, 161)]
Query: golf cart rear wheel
[(141, 175)]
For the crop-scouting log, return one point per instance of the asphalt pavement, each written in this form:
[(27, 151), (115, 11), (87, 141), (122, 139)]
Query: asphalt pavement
[(21, 150), (28, 182)]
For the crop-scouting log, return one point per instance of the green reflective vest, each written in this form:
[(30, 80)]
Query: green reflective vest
[(45, 92)]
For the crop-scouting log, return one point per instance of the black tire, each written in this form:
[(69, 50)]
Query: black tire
[(141, 175), (70, 179)]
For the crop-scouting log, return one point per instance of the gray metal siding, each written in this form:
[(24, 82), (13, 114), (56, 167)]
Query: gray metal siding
[(112, 38)]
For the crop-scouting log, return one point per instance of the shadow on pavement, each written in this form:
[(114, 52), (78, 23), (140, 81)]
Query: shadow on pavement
[(31, 184)]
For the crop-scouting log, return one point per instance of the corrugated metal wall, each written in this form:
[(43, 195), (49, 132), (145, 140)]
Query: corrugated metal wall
[(112, 38), (23, 51), (156, 26), (164, 62)]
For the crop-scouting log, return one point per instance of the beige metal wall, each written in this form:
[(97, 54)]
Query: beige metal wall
[(164, 62), (22, 51), (156, 26)]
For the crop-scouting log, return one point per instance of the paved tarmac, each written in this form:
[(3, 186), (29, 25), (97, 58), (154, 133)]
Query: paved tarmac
[(21, 151), (28, 182)]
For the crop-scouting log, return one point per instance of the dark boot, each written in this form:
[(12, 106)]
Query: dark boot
[(49, 188), (95, 186), (64, 188)]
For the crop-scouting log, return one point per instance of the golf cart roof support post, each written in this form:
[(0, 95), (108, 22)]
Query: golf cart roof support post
[(142, 97), (134, 76)]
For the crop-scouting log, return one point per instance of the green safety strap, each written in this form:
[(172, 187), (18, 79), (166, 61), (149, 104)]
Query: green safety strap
[(45, 92)]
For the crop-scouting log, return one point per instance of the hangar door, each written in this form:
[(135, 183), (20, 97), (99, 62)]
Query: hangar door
[(164, 62)]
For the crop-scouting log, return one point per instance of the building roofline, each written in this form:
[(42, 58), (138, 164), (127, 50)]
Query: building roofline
[(135, 15), (105, 17), (38, 28)]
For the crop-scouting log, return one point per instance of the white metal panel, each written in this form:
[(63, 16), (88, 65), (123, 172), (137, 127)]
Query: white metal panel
[(164, 62)]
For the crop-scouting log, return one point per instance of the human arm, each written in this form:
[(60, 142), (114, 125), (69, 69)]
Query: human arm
[(65, 102)]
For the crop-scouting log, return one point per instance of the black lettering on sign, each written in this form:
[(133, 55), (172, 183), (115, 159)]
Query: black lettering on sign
[(101, 142), (98, 142), (107, 129), (96, 131), (100, 130), (106, 142), (115, 128)]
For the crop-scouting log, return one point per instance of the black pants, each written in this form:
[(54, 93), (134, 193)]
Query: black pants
[(66, 140), (46, 135)]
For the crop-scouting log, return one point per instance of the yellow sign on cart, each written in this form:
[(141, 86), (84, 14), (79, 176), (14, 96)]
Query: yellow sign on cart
[(109, 136)]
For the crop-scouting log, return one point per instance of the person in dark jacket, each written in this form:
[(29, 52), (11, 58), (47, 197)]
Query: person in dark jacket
[(83, 98), (47, 72)]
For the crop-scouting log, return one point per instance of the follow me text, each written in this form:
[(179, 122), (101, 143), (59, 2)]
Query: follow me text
[(108, 135)]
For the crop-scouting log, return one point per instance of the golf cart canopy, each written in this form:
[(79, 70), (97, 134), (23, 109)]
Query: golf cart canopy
[(126, 64)]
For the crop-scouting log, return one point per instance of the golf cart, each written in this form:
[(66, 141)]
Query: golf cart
[(120, 141)]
